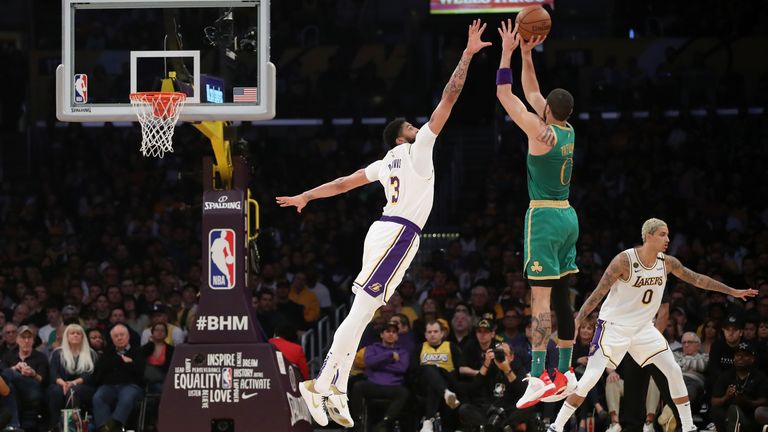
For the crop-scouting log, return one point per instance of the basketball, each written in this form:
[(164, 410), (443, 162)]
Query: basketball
[(229, 260), (533, 21)]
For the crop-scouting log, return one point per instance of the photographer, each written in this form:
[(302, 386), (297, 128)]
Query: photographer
[(738, 392), (495, 387)]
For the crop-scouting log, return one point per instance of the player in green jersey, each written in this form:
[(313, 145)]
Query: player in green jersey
[(551, 224)]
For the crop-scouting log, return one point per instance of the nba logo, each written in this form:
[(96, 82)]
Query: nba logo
[(81, 89), (221, 259), (226, 378)]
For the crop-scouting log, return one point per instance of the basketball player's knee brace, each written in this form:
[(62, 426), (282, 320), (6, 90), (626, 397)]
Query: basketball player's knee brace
[(561, 303)]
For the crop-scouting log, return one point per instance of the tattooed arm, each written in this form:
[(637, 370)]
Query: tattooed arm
[(332, 188), (456, 83), (540, 137), (618, 268), (685, 274)]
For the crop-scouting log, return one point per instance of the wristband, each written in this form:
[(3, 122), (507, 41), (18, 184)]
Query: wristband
[(504, 76)]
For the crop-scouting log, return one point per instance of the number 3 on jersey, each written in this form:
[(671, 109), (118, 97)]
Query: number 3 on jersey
[(395, 183)]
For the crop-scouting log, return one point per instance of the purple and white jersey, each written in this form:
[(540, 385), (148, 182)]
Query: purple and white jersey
[(409, 191), (634, 302)]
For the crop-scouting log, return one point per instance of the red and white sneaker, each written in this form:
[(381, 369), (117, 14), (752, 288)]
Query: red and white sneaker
[(565, 385), (537, 388)]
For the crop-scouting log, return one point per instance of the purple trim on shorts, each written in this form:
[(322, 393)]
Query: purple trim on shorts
[(378, 281), (595, 344), (402, 221)]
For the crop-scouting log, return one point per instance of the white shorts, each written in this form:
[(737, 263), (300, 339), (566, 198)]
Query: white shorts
[(389, 248), (613, 341)]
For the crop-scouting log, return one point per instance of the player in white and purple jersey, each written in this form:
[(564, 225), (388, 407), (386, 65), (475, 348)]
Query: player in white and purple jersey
[(407, 174)]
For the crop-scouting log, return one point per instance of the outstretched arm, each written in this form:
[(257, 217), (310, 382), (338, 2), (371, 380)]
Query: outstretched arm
[(530, 84), (533, 126), (332, 188), (704, 282), (618, 268), (456, 83)]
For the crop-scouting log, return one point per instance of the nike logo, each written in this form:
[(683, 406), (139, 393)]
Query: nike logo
[(660, 268), (248, 395)]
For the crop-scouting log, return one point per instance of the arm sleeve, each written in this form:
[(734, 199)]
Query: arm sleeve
[(55, 370), (372, 171), (421, 151)]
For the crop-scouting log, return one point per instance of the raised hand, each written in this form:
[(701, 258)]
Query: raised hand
[(509, 37), (526, 47), (474, 35), (298, 201)]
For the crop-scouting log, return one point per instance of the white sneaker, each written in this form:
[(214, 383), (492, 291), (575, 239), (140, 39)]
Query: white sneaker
[(427, 426), (337, 405), (315, 402), (648, 427), (450, 399), (614, 427), (537, 388)]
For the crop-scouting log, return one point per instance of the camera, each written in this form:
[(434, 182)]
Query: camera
[(495, 414), (498, 354)]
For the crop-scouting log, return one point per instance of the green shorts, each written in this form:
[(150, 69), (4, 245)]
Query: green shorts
[(550, 240)]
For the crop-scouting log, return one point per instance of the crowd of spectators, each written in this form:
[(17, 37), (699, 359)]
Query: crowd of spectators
[(103, 237)]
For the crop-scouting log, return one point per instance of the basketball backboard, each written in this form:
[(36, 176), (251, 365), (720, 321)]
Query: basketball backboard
[(217, 50)]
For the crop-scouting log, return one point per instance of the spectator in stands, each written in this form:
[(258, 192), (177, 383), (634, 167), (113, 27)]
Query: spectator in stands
[(120, 376), (481, 303), (160, 316), (268, 317), (386, 364), (319, 289), (188, 305), (72, 367), (738, 391), (97, 341), (722, 354), (9, 339), (475, 351), (158, 354), (36, 312), (438, 362), (430, 311), (53, 314), (117, 316), (26, 373), (302, 295), (286, 341), (511, 323), (101, 310), (70, 315), (396, 301), (462, 336), (290, 310), (710, 332), (136, 321), (693, 363), (405, 337), (495, 389)]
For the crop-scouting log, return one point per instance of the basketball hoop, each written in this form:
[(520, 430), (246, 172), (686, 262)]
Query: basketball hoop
[(158, 113)]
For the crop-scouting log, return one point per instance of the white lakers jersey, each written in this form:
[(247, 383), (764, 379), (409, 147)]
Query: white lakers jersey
[(409, 194), (634, 302)]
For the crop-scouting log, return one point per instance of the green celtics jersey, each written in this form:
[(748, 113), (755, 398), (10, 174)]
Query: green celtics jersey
[(549, 175)]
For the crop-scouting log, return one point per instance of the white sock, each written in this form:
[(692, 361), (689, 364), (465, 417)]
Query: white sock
[(566, 411), (345, 342), (684, 409)]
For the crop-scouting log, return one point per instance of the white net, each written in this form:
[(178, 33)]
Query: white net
[(158, 113)]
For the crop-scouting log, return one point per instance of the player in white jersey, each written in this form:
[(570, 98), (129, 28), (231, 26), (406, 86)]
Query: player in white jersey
[(634, 282), (407, 174)]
